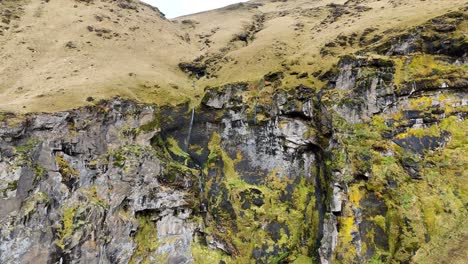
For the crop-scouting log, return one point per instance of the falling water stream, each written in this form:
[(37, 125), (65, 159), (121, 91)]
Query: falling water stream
[(187, 140), (187, 144)]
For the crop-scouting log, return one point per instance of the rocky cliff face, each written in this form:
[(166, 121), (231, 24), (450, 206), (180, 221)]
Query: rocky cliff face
[(399, 121), (123, 182), (369, 169)]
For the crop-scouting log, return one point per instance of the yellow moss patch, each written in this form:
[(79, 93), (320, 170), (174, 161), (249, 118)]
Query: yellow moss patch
[(65, 169), (380, 221), (355, 195), (66, 231), (428, 65), (202, 255), (399, 77), (422, 102), (93, 197), (196, 148), (433, 131), (175, 149), (146, 240), (249, 234)]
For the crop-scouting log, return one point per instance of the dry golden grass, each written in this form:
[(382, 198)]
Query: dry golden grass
[(39, 73)]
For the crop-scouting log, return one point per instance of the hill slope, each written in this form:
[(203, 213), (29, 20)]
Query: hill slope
[(101, 49), (58, 53)]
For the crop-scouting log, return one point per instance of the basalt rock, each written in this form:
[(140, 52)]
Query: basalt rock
[(435, 37), (99, 182), (116, 174)]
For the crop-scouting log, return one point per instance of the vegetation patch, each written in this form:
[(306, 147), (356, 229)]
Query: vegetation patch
[(146, 240), (65, 233), (261, 203), (69, 174)]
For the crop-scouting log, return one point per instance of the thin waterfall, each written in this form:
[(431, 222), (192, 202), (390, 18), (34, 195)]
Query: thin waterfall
[(413, 89), (187, 141), (200, 177)]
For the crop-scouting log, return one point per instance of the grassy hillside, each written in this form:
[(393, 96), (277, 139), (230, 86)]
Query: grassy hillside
[(99, 49), (56, 54)]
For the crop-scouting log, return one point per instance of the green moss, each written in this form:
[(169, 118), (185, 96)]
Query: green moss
[(128, 132), (93, 197), (202, 255), (27, 147), (11, 186), (425, 67), (24, 151), (126, 156), (398, 77), (301, 259), (196, 148), (280, 258), (151, 126), (176, 171), (433, 131), (72, 216), (12, 119), (457, 130), (146, 240), (428, 65), (30, 205), (65, 233), (439, 251), (380, 221), (385, 169), (174, 148), (246, 234), (119, 159), (357, 141), (418, 211), (345, 247), (378, 123), (39, 172), (68, 173), (215, 151), (375, 260), (426, 208)]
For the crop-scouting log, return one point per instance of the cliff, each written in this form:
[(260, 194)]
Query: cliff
[(357, 157)]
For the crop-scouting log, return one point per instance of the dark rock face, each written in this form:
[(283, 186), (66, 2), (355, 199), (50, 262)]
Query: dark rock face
[(194, 69), (91, 182), (389, 127), (370, 84), (434, 37), (421, 144), (115, 179), (247, 161)]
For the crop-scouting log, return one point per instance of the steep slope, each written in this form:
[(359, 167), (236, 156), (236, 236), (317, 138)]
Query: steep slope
[(353, 155), (101, 48), (56, 54), (298, 38)]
